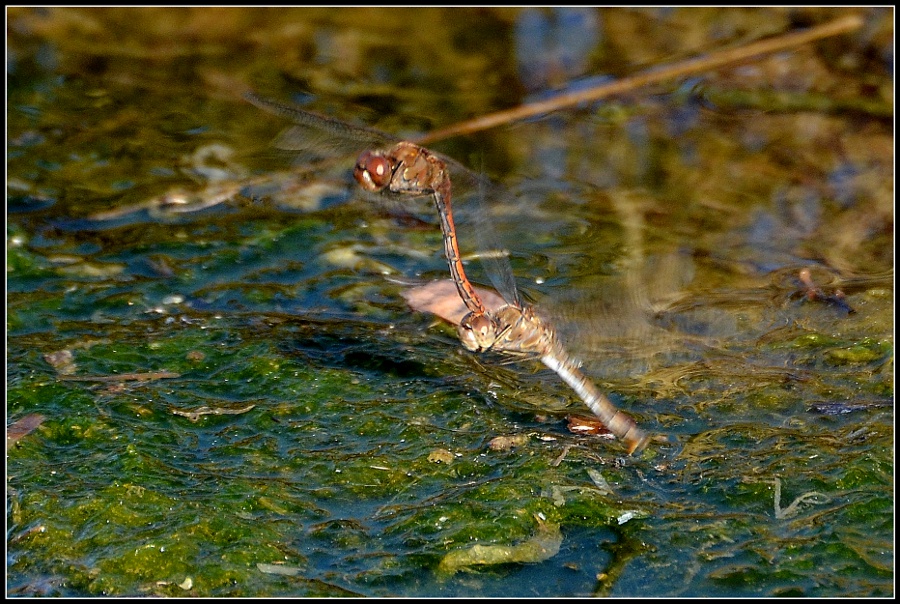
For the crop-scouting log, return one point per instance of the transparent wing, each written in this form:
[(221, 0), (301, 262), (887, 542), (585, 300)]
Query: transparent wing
[(320, 134), (319, 137)]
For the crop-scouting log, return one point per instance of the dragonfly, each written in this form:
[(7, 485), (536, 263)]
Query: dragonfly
[(513, 327), (407, 169)]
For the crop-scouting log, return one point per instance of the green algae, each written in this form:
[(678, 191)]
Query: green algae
[(333, 396)]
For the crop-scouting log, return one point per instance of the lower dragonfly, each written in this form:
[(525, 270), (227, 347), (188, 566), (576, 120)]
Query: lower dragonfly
[(408, 169)]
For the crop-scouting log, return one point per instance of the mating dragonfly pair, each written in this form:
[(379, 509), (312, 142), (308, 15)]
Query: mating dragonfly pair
[(514, 327)]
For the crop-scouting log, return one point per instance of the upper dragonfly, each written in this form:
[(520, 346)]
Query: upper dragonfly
[(408, 169), (323, 135)]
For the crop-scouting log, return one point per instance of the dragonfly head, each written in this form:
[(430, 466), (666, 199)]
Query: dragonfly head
[(372, 171), (477, 332)]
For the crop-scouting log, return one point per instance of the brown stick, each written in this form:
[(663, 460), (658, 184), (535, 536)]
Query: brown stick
[(655, 75), (121, 377)]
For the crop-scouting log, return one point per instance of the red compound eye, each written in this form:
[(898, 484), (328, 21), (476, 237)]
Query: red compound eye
[(373, 171)]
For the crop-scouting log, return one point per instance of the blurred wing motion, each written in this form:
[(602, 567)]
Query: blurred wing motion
[(512, 328), (411, 170)]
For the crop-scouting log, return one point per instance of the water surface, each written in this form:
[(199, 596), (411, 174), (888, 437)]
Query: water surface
[(298, 431)]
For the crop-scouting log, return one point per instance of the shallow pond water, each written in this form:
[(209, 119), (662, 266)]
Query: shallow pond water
[(215, 387)]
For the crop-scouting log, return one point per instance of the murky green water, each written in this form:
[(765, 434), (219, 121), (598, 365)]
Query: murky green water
[(310, 435)]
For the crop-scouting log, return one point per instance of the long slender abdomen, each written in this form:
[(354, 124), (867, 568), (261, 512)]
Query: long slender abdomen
[(620, 424)]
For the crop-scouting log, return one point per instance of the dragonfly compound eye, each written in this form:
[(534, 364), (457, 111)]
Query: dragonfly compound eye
[(372, 171), (477, 332)]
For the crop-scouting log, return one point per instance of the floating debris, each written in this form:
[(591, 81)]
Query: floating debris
[(815, 293), (62, 360), (582, 424), (441, 456), (505, 443), (122, 377), (626, 516), (196, 414), (23, 427), (279, 569), (600, 482), (811, 496), (544, 544)]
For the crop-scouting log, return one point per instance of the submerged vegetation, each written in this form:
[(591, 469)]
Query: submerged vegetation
[(215, 387)]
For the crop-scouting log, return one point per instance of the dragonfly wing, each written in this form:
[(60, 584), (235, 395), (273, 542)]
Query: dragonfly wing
[(474, 198), (441, 298), (314, 132), (611, 321)]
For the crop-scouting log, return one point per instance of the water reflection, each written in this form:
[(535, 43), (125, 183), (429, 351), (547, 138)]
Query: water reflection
[(335, 473)]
